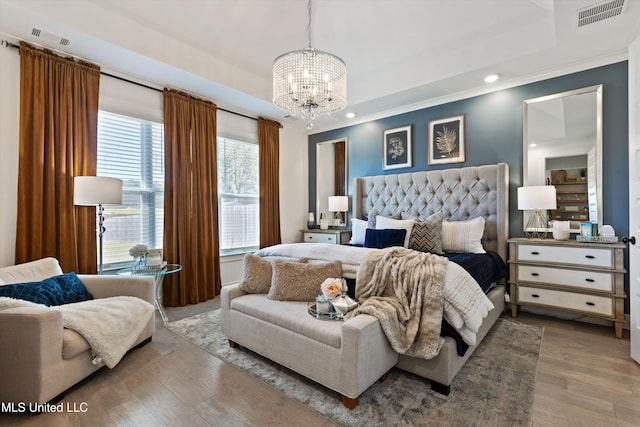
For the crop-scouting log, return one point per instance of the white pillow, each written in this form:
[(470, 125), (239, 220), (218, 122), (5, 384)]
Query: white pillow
[(358, 231), (383, 222), (463, 236)]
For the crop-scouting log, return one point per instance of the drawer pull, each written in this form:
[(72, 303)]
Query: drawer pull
[(591, 303), (535, 295), (535, 274), (590, 256), (535, 253), (589, 280)]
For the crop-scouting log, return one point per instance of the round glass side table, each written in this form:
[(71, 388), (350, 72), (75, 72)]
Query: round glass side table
[(158, 275)]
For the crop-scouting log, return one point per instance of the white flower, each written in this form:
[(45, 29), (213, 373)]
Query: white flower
[(138, 250)]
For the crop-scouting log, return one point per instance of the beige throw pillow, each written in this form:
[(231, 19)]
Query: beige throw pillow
[(463, 236), (295, 281), (257, 275)]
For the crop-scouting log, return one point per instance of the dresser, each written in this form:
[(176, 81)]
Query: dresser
[(584, 278), (335, 236)]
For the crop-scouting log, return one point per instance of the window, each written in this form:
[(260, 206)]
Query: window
[(238, 196), (133, 150)]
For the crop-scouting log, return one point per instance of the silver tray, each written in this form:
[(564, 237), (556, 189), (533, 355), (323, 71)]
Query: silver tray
[(334, 315)]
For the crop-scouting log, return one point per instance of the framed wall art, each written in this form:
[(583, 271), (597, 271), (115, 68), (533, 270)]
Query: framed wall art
[(396, 147), (446, 140)]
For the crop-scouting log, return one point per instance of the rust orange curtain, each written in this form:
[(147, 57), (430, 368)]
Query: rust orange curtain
[(190, 199), (340, 178), (269, 149), (58, 140)]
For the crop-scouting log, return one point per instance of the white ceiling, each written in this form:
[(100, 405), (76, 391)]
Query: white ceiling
[(400, 54)]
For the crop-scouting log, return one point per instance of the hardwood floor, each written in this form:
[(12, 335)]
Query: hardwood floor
[(585, 378)]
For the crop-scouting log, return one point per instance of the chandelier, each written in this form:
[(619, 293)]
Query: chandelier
[(309, 82)]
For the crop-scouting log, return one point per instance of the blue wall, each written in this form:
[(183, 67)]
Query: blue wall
[(494, 134)]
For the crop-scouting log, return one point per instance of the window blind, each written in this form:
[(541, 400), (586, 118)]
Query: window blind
[(132, 149)]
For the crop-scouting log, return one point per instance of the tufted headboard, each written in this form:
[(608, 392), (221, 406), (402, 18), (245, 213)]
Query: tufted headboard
[(460, 194)]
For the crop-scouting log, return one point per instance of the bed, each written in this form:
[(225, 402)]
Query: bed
[(278, 328), (461, 194)]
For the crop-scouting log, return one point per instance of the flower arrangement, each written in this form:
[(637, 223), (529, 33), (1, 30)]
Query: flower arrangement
[(331, 288), (138, 250)]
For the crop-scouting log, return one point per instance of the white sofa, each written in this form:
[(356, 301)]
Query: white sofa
[(346, 357), (39, 359)]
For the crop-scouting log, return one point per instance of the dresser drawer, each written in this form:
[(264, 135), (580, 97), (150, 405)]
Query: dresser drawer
[(595, 280), (566, 300), (594, 257), (320, 238)]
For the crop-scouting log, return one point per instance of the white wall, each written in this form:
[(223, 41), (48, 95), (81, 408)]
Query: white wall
[(9, 138)]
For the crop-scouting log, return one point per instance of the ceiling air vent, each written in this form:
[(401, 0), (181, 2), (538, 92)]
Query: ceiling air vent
[(600, 12), (50, 37)]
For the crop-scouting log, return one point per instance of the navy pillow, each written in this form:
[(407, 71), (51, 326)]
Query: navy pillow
[(56, 290), (384, 238)]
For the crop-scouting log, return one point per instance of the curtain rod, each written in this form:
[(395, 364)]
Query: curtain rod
[(6, 43)]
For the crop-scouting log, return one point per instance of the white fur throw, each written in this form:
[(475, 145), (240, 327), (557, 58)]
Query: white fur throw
[(404, 289), (110, 325)]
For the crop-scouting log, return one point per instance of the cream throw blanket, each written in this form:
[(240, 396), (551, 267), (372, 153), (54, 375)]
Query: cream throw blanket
[(110, 325), (404, 289)]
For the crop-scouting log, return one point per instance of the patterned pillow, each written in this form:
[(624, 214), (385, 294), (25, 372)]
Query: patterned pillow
[(296, 281), (426, 235), (384, 238), (257, 275), (463, 236), (57, 290)]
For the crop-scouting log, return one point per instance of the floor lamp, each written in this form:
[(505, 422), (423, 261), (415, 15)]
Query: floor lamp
[(97, 191), (537, 198)]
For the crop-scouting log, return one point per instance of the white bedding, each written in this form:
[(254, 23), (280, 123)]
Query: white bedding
[(465, 304)]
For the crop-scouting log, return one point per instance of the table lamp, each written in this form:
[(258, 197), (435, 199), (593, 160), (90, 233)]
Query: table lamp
[(338, 204), (97, 191), (537, 198)]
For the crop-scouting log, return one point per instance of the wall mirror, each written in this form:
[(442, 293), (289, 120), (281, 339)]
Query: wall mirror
[(331, 173), (562, 146)]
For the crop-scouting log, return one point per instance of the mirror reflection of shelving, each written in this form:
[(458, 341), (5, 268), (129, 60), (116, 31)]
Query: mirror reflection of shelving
[(571, 194)]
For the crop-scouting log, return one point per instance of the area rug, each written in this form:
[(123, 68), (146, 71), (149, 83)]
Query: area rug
[(494, 388)]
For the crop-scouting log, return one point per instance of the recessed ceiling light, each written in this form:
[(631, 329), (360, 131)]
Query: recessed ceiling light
[(491, 78), (533, 144), (350, 115)]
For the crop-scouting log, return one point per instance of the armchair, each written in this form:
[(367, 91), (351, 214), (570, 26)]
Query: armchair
[(39, 359)]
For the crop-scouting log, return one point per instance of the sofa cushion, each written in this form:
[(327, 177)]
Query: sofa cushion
[(290, 315), (296, 281), (257, 275), (73, 344), (33, 271), (57, 290)]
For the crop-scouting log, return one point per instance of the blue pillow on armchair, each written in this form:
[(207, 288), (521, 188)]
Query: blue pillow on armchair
[(384, 238), (57, 290)]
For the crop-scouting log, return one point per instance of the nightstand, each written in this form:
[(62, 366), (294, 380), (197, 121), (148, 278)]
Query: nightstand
[(585, 278), (335, 236)]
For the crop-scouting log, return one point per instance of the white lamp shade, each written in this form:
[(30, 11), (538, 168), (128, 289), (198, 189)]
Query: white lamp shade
[(96, 190), (537, 197), (338, 203)]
